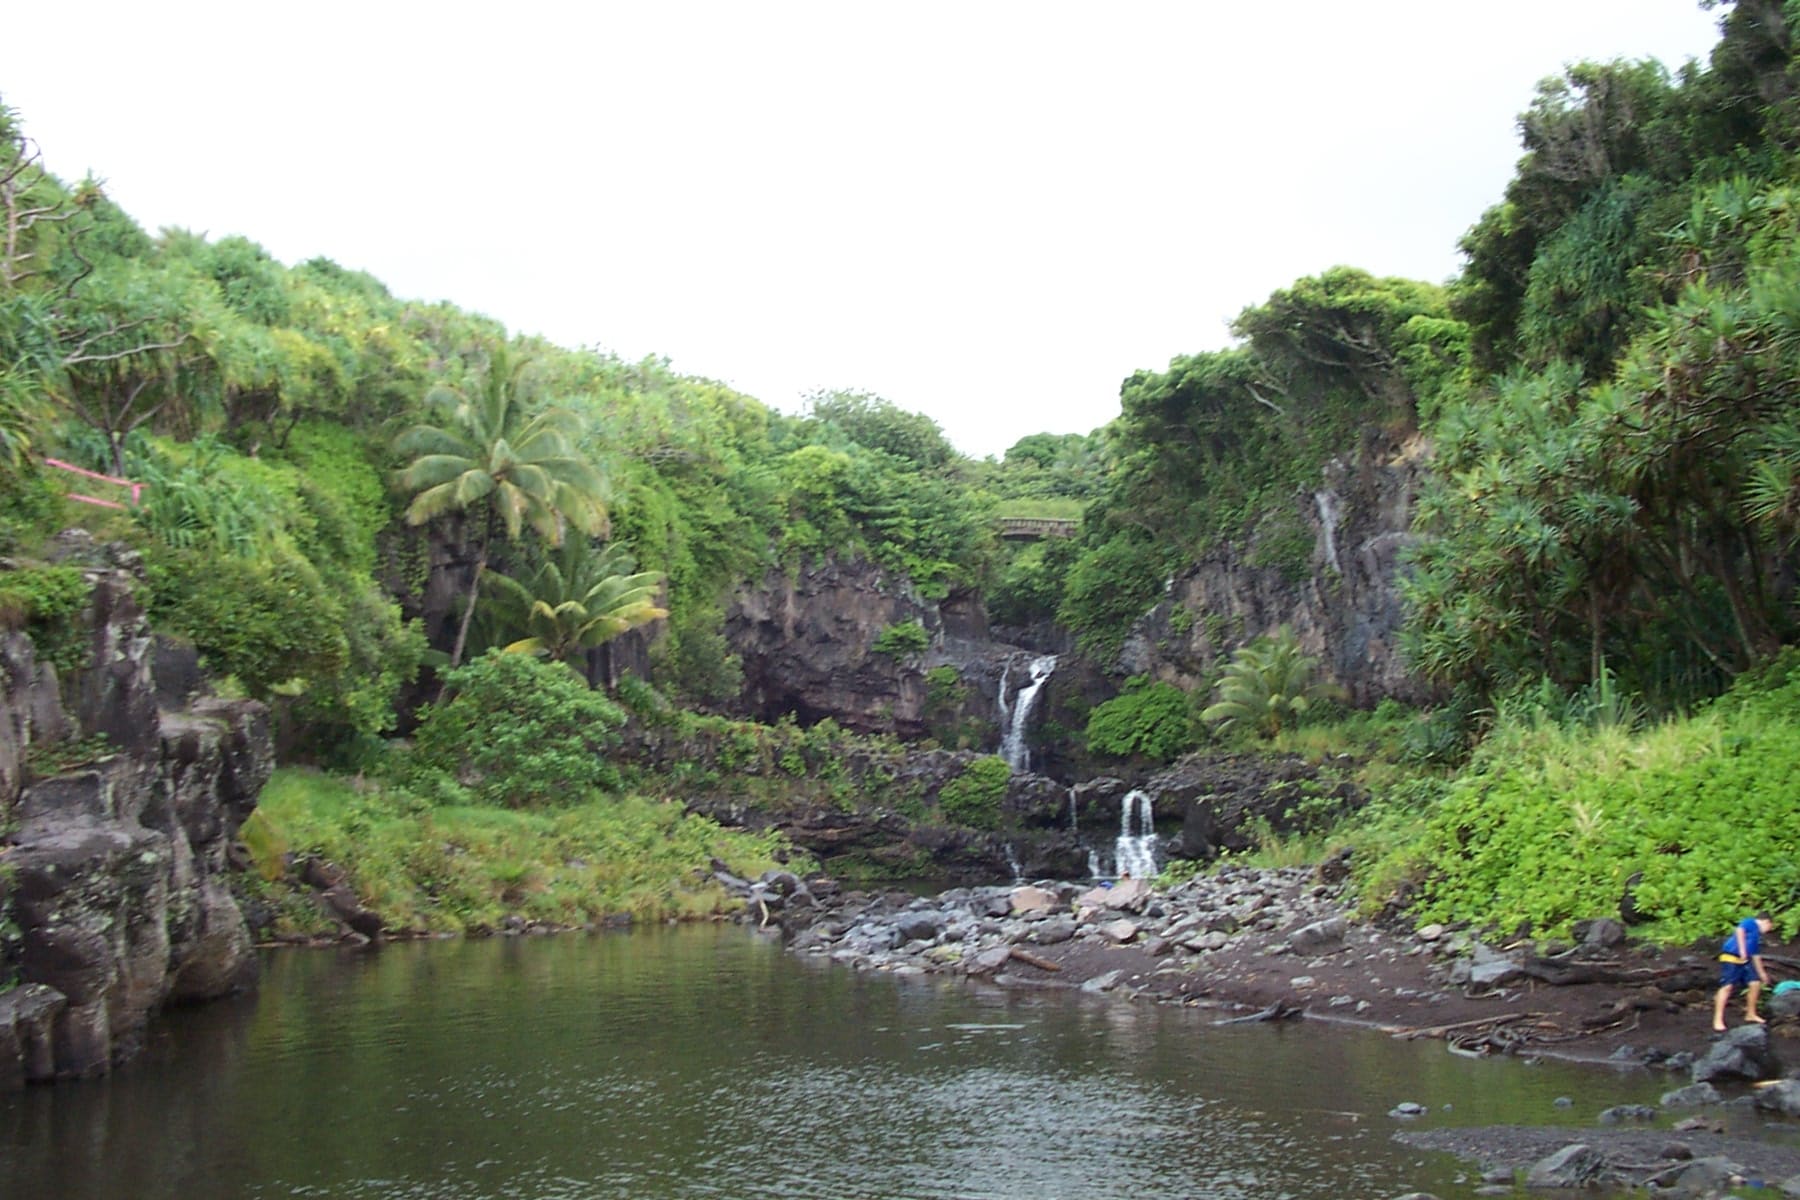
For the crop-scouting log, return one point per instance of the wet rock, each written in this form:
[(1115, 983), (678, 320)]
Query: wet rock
[(1053, 932), (1618, 1114), (1782, 1096), (1574, 1166), (1103, 983), (1704, 1177), (1741, 1053), (1785, 1004), (27, 1024), (1407, 1108), (919, 926), (1692, 1096)]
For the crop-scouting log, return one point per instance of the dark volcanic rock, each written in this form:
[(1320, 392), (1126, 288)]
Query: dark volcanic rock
[(1342, 601), (807, 641), (1224, 798), (117, 866)]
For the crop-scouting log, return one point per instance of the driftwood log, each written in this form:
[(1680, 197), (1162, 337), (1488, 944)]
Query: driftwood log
[(1035, 960), (1563, 973)]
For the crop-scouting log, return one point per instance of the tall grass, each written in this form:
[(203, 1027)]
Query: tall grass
[(468, 868)]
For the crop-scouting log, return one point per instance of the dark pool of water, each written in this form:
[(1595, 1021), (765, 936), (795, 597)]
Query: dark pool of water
[(704, 1062)]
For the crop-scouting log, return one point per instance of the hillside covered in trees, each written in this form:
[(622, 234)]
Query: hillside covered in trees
[(467, 566)]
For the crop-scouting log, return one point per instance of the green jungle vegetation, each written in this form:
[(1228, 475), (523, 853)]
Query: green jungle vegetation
[(1605, 580)]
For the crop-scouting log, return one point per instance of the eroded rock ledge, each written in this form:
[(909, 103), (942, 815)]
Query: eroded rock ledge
[(113, 899)]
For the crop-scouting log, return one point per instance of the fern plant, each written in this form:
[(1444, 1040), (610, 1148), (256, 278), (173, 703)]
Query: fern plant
[(1267, 686)]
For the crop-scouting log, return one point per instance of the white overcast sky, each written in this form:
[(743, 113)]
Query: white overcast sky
[(991, 212)]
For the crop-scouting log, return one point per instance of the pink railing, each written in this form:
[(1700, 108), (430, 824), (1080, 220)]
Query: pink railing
[(137, 489)]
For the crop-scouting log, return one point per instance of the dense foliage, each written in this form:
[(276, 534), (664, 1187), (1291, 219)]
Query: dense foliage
[(1564, 810), (349, 494), (1154, 720)]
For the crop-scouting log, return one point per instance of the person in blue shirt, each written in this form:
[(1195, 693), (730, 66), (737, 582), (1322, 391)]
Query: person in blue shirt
[(1741, 965)]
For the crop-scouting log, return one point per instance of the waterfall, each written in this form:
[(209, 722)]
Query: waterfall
[(1012, 721), (1329, 513), (1013, 864), (1134, 854)]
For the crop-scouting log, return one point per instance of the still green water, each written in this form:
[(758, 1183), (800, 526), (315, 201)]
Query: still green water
[(704, 1062)]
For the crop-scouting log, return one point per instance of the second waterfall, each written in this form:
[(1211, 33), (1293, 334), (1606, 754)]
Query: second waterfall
[(1013, 717)]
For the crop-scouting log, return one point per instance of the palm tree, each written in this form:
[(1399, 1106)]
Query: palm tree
[(577, 600), (1265, 683), (513, 466)]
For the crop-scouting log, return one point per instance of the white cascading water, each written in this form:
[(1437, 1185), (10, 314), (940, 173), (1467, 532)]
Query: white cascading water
[(1134, 854), (1012, 721)]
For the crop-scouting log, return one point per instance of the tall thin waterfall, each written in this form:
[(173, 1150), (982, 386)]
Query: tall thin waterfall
[(1013, 719), (1134, 854)]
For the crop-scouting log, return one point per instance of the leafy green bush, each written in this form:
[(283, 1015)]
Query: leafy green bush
[(520, 731), (32, 507), (46, 602), (902, 640), (1550, 820), (1109, 587), (974, 798), (1155, 720), (272, 623)]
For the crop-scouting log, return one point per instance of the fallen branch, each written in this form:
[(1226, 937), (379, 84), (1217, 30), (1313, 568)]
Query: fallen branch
[(1035, 960), (1406, 1035), (1278, 1011)]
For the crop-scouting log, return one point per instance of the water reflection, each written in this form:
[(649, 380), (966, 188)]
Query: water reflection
[(704, 1062)]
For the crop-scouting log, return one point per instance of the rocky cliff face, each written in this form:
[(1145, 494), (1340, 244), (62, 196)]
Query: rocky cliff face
[(112, 869), (1342, 600)]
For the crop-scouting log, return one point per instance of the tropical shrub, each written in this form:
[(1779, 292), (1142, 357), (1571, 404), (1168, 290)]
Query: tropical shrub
[(1155, 720), (46, 602), (518, 731), (270, 623), (1267, 686), (902, 640), (974, 798)]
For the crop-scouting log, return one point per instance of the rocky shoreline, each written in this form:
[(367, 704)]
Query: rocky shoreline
[(1268, 944)]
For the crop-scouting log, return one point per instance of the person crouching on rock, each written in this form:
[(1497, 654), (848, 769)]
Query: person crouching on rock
[(1741, 965)]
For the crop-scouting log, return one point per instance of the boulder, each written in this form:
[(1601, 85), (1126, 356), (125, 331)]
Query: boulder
[(1741, 1053), (28, 1018), (922, 926), (1692, 1096), (1574, 1166), (1712, 1176), (988, 961), (1029, 899), (1320, 937), (1781, 1095), (1603, 933)]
